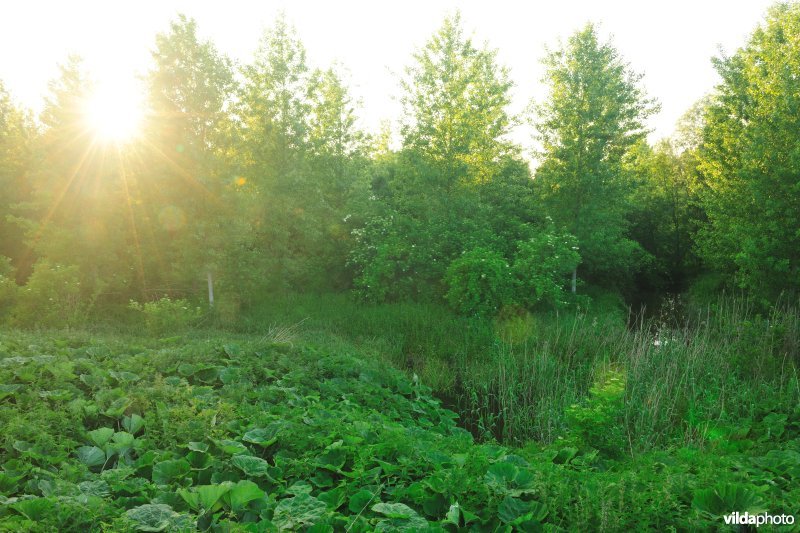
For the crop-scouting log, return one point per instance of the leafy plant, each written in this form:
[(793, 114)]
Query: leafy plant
[(166, 315), (479, 282)]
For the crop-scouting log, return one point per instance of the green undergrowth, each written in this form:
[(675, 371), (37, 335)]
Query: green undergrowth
[(278, 432)]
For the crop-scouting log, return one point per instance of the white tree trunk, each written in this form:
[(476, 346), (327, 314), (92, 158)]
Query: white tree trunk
[(574, 279)]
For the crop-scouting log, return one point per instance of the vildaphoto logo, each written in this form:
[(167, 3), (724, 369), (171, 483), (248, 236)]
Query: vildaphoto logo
[(744, 519)]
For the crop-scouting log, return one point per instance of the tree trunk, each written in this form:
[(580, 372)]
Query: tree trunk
[(574, 279)]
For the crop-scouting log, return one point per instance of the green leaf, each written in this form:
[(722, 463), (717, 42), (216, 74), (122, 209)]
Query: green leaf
[(35, 509), (301, 510), (565, 455), (727, 498), (334, 498), (231, 447), (231, 350), (199, 460), (152, 517), (166, 472), (91, 456), (197, 446), (118, 407), (93, 381), (262, 436), (395, 510), (359, 501), (206, 498), (186, 369), (251, 466), (514, 511), (501, 474), (133, 424), (122, 441), (207, 374), (101, 436), (124, 377), (8, 483), (229, 375), (97, 488), (8, 390), (243, 493)]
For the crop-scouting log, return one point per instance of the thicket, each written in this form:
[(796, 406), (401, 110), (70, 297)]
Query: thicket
[(258, 178)]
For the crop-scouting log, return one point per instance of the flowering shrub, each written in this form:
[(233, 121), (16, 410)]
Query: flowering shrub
[(479, 282)]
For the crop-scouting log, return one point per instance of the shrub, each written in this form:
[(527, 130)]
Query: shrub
[(166, 315), (479, 282), (542, 265), (8, 288), (53, 297)]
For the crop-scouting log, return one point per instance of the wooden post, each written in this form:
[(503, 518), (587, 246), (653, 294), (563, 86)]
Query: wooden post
[(210, 290)]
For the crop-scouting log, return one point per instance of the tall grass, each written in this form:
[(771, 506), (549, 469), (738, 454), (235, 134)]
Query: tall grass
[(684, 372), (727, 364)]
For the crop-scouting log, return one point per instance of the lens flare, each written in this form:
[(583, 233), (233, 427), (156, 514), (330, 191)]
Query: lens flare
[(114, 111)]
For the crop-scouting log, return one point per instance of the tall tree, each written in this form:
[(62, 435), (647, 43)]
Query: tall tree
[(304, 155), (17, 136), (750, 160), (183, 189), (455, 99), (664, 215), (73, 216), (592, 118), (275, 106), (456, 185)]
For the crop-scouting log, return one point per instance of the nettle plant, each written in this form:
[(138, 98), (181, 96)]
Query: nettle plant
[(598, 422)]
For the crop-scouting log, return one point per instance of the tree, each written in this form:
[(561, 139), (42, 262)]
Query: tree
[(184, 191), (304, 155), (665, 215), (457, 184), (455, 99), (72, 218), (750, 160), (17, 137), (592, 118), (338, 172)]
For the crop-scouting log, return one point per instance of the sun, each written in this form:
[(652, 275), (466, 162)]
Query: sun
[(114, 111)]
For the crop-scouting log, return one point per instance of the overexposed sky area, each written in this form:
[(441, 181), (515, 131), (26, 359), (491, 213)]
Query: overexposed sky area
[(670, 42)]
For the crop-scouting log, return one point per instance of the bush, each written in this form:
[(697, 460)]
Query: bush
[(53, 297), (479, 282), (542, 266), (8, 288), (167, 316)]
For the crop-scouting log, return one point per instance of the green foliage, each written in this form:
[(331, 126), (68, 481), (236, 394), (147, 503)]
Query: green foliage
[(166, 315), (52, 297), (599, 422), (591, 119), (748, 160), (16, 159), (455, 98), (541, 267), (479, 282), (665, 212), (8, 289)]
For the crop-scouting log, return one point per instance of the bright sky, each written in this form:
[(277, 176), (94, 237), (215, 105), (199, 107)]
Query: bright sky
[(671, 42)]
